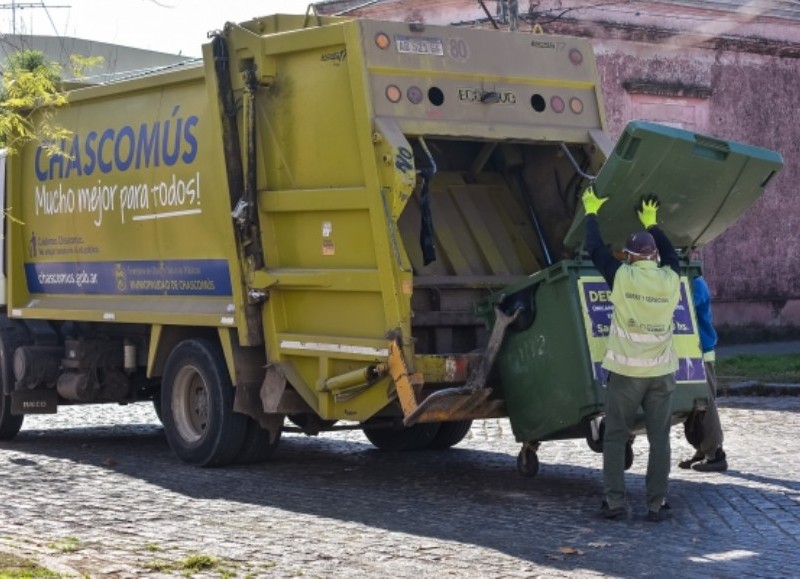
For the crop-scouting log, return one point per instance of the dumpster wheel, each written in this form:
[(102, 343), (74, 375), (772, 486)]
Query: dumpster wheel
[(527, 460), (629, 453), (595, 440), (597, 429)]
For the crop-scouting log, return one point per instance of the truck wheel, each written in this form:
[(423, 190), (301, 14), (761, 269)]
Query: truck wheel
[(413, 437), (257, 446), (450, 434), (9, 423), (197, 406)]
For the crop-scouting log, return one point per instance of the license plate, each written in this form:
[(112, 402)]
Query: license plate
[(416, 45)]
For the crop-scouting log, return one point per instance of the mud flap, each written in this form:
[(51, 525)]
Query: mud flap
[(34, 402)]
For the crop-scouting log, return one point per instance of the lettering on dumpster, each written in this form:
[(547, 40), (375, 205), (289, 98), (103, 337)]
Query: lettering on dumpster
[(598, 302), (598, 309)]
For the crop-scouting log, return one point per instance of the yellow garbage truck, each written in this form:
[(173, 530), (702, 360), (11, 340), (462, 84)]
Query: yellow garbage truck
[(293, 234)]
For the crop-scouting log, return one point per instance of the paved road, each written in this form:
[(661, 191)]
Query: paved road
[(95, 490)]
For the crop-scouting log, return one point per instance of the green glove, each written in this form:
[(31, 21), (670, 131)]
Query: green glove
[(591, 202), (647, 210)]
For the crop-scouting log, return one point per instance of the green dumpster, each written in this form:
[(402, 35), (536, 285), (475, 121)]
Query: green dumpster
[(550, 361)]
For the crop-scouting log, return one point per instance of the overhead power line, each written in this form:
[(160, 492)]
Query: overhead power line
[(14, 6)]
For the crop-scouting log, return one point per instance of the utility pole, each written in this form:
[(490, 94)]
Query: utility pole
[(14, 6)]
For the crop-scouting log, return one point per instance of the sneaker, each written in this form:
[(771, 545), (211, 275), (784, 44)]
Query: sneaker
[(612, 514), (718, 464), (698, 456), (662, 514)]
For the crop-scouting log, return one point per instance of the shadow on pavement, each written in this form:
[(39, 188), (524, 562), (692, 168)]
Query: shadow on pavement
[(472, 497)]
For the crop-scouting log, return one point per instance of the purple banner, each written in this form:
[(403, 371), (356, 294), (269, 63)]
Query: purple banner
[(600, 308), (682, 320), (689, 370), (598, 302)]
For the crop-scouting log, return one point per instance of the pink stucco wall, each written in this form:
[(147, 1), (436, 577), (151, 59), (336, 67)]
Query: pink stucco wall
[(751, 100), (748, 66)]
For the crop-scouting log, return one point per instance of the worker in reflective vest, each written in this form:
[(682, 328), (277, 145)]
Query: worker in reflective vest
[(640, 357)]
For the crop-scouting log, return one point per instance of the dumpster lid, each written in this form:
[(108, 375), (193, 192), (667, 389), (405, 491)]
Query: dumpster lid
[(704, 184)]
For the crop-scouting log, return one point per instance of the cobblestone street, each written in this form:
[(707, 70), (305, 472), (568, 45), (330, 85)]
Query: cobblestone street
[(83, 496)]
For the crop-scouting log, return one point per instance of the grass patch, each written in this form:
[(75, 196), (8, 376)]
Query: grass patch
[(159, 566), (21, 568), (194, 563), (199, 562), (781, 369), (66, 545)]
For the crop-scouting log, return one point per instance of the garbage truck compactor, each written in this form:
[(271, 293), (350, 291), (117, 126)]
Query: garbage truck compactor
[(331, 224)]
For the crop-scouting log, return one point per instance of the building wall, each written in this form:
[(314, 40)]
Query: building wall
[(732, 75), (751, 267)]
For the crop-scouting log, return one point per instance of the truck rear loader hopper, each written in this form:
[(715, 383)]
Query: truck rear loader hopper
[(301, 227)]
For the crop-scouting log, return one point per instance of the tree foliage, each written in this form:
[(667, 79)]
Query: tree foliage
[(29, 95)]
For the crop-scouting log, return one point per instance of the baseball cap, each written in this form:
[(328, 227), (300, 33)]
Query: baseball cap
[(641, 244)]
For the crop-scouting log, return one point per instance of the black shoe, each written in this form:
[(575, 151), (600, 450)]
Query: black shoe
[(698, 456), (662, 514), (614, 514), (718, 464)]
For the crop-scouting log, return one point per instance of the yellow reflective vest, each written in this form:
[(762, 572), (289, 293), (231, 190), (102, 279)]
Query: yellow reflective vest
[(640, 337)]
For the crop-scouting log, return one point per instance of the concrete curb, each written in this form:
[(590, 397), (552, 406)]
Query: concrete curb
[(756, 388)]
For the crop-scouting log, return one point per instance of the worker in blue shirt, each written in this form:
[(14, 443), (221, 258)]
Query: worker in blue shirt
[(709, 455)]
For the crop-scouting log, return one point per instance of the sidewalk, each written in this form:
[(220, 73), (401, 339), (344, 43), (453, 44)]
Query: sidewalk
[(761, 348)]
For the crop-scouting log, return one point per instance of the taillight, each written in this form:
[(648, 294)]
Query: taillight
[(382, 40), (393, 93), (575, 56), (414, 94)]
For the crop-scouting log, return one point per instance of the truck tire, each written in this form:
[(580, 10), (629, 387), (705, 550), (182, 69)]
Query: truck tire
[(257, 446), (450, 434), (10, 424), (197, 406), (414, 437)]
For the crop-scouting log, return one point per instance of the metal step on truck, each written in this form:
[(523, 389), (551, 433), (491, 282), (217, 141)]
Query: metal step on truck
[(332, 223)]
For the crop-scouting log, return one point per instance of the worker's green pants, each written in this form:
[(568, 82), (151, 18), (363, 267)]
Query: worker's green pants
[(624, 396)]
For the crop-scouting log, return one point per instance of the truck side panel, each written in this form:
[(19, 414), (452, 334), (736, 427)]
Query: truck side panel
[(131, 223)]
